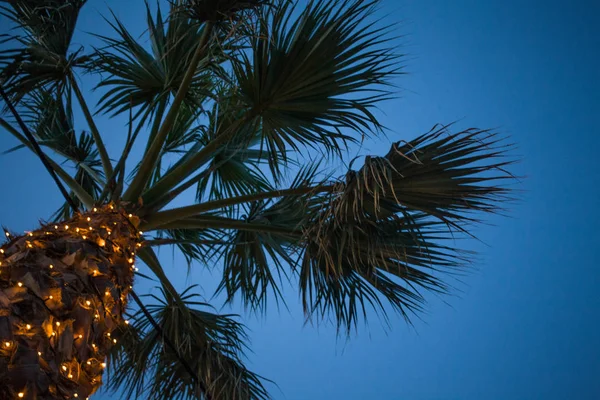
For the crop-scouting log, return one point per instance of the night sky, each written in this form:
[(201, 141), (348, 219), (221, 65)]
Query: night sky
[(523, 324)]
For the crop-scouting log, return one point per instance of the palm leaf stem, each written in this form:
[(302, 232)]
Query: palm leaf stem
[(106, 164), (152, 155)]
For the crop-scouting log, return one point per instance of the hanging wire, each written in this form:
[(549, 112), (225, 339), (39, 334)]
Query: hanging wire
[(37, 149)]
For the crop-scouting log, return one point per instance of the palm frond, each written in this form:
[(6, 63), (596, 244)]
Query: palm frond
[(308, 78), (135, 75), (212, 345), (380, 235), (42, 56)]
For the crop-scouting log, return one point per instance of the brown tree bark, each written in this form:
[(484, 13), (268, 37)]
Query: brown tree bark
[(63, 292)]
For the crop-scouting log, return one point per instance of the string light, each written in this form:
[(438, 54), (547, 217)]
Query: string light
[(126, 322), (7, 234), (115, 341), (89, 303), (51, 266), (130, 261), (75, 395), (1, 251), (89, 362), (7, 344), (55, 226), (20, 284), (107, 293), (39, 353), (30, 234), (88, 219), (101, 242), (95, 209), (103, 365), (21, 394), (64, 367), (70, 376), (50, 297), (84, 237), (67, 227), (57, 323), (80, 336), (28, 326), (130, 215)]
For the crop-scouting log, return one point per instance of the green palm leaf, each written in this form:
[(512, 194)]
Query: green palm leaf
[(212, 345)]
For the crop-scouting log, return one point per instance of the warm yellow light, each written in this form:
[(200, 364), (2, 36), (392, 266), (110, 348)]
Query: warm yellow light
[(138, 245), (88, 219), (7, 344), (2, 251), (108, 334), (75, 395), (101, 242), (53, 333), (111, 207), (39, 353), (70, 376), (57, 323), (55, 226), (141, 233), (20, 284), (28, 326), (64, 367), (30, 234), (21, 394), (89, 303), (89, 362), (126, 322), (77, 230), (95, 209), (50, 297), (51, 266), (7, 234), (130, 215), (29, 245), (67, 227), (103, 365), (80, 336), (115, 341), (96, 316), (94, 345), (84, 237), (95, 272), (107, 293), (130, 261)]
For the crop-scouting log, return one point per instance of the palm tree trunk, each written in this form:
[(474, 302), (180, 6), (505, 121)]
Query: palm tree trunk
[(63, 292)]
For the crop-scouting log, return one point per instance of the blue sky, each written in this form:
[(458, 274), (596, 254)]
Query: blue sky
[(525, 322)]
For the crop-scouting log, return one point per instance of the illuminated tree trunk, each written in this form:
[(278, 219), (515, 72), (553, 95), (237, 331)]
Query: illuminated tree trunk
[(63, 292)]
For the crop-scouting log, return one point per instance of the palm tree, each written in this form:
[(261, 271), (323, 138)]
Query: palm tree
[(228, 101)]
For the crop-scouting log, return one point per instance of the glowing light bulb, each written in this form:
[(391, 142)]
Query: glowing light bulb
[(96, 316), (50, 297), (107, 293), (88, 219), (130, 215), (70, 376), (95, 209), (126, 322), (55, 226), (21, 394), (95, 272), (141, 233), (39, 353), (89, 362), (84, 237), (57, 323), (130, 261), (30, 234), (80, 336), (77, 230), (89, 303), (90, 228), (115, 341), (103, 365), (28, 326), (6, 344), (1, 251), (101, 242), (53, 333), (75, 395), (20, 284), (67, 227), (51, 266), (7, 234), (29, 245), (64, 367), (108, 334)]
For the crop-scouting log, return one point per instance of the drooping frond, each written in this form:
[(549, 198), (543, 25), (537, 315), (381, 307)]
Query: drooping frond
[(211, 344), (392, 217)]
